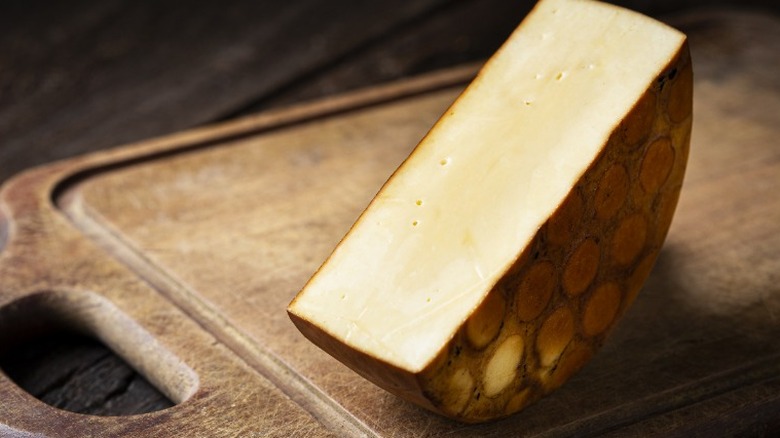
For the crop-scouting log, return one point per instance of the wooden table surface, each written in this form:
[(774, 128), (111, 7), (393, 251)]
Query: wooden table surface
[(96, 75)]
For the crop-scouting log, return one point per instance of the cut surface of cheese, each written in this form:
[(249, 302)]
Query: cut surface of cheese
[(510, 232)]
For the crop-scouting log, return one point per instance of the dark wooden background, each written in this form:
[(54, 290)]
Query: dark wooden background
[(86, 75)]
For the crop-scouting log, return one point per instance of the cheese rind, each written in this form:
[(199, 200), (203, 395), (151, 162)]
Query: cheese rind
[(545, 160)]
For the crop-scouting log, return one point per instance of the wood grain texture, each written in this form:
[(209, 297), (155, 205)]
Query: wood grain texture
[(83, 290), (94, 380), (121, 71), (94, 74), (229, 230)]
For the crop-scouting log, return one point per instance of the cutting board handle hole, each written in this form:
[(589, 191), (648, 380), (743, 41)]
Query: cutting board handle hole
[(127, 359)]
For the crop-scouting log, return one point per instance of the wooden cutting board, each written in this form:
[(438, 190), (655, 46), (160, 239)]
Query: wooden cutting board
[(181, 254)]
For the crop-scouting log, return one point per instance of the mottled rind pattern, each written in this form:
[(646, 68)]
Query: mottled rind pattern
[(554, 307)]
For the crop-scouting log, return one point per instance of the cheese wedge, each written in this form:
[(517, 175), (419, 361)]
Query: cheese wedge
[(495, 260)]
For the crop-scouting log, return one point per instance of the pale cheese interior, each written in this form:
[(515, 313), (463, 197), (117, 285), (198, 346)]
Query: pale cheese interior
[(464, 205)]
